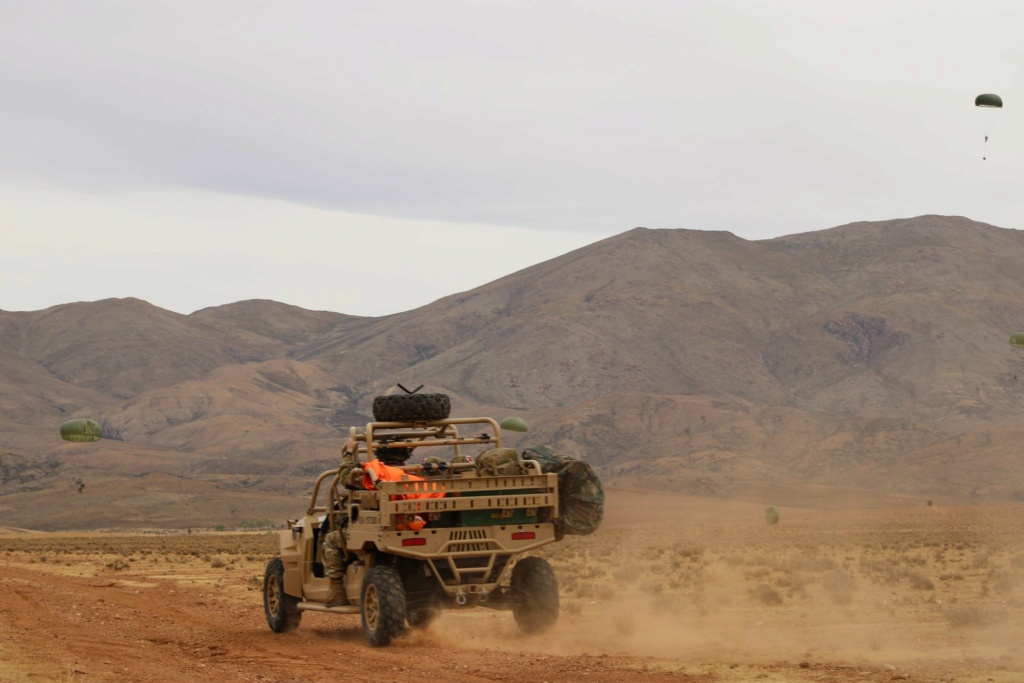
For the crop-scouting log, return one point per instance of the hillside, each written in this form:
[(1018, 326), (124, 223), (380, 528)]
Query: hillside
[(869, 358)]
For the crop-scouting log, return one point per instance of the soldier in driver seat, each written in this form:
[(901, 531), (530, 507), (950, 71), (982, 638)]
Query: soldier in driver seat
[(334, 542)]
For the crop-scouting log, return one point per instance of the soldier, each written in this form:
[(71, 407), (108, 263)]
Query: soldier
[(334, 542)]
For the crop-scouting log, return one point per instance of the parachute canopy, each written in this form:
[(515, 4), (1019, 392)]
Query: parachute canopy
[(81, 430), (1017, 341), (988, 100), (514, 424)]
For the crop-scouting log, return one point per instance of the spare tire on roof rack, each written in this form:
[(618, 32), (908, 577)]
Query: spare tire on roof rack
[(411, 407)]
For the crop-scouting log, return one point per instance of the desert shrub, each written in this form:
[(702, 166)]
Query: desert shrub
[(840, 586), (625, 574), (257, 524), (793, 584), (655, 567), (883, 571), (1002, 580), (920, 581), (965, 616), (766, 595), (684, 549)]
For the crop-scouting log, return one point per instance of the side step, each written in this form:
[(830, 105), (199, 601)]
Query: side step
[(319, 607)]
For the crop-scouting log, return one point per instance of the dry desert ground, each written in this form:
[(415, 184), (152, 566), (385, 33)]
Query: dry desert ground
[(669, 589)]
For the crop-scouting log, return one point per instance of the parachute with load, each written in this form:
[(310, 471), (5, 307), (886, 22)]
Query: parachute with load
[(989, 102)]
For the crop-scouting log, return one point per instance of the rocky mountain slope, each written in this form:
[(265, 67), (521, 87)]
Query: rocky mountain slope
[(870, 358)]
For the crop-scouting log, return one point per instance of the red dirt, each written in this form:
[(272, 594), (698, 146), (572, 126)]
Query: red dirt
[(153, 620)]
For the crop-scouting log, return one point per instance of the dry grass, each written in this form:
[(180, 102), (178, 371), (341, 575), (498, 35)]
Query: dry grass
[(233, 562), (878, 585)]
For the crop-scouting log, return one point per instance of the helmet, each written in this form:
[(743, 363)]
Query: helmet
[(393, 455)]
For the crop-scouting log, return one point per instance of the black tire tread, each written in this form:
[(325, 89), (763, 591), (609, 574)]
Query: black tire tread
[(391, 605), (286, 615), (412, 407), (535, 589)]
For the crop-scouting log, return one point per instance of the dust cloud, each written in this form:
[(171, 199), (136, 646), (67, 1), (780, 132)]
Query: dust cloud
[(930, 590)]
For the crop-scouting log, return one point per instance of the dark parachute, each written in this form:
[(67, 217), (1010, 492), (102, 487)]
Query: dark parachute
[(988, 101), (81, 430)]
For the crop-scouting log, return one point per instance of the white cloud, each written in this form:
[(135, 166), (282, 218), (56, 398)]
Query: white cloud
[(188, 250), (572, 119)]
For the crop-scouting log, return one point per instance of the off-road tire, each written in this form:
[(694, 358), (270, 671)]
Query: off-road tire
[(382, 605), (412, 408), (282, 610), (535, 595)]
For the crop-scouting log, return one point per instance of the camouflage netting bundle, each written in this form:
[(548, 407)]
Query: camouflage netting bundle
[(581, 498)]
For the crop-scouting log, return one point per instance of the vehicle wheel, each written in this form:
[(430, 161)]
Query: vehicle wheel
[(411, 407), (535, 594), (283, 613), (424, 617), (382, 603)]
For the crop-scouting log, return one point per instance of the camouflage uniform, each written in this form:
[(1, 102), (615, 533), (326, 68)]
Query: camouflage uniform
[(334, 555), (334, 542)]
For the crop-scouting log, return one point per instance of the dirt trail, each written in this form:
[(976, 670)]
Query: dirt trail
[(145, 630), (175, 609), (137, 629)]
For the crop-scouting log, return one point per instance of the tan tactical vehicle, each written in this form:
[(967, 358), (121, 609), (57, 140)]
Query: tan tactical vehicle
[(408, 557)]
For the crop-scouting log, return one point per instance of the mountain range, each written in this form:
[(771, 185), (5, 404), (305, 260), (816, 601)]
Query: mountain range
[(859, 365)]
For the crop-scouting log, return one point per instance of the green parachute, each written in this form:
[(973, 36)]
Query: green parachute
[(514, 424), (81, 430), (1017, 341), (989, 101)]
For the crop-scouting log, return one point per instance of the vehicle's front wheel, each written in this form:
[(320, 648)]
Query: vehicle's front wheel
[(283, 613), (535, 594), (382, 603)]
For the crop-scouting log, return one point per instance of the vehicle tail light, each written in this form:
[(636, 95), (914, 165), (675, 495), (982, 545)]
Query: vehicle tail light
[(414, 541), (523, 535)]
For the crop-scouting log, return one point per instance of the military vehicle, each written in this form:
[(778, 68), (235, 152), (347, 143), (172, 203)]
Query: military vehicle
[(450, 533)]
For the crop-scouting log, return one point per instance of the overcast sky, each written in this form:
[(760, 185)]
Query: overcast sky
[(371, 157)]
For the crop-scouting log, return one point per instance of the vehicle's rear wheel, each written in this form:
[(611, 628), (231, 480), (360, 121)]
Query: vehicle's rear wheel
[(412, 407), (535, 595), (283, 613), (382, 603)]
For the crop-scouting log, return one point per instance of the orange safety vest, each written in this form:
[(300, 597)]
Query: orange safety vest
[(384, 472)]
